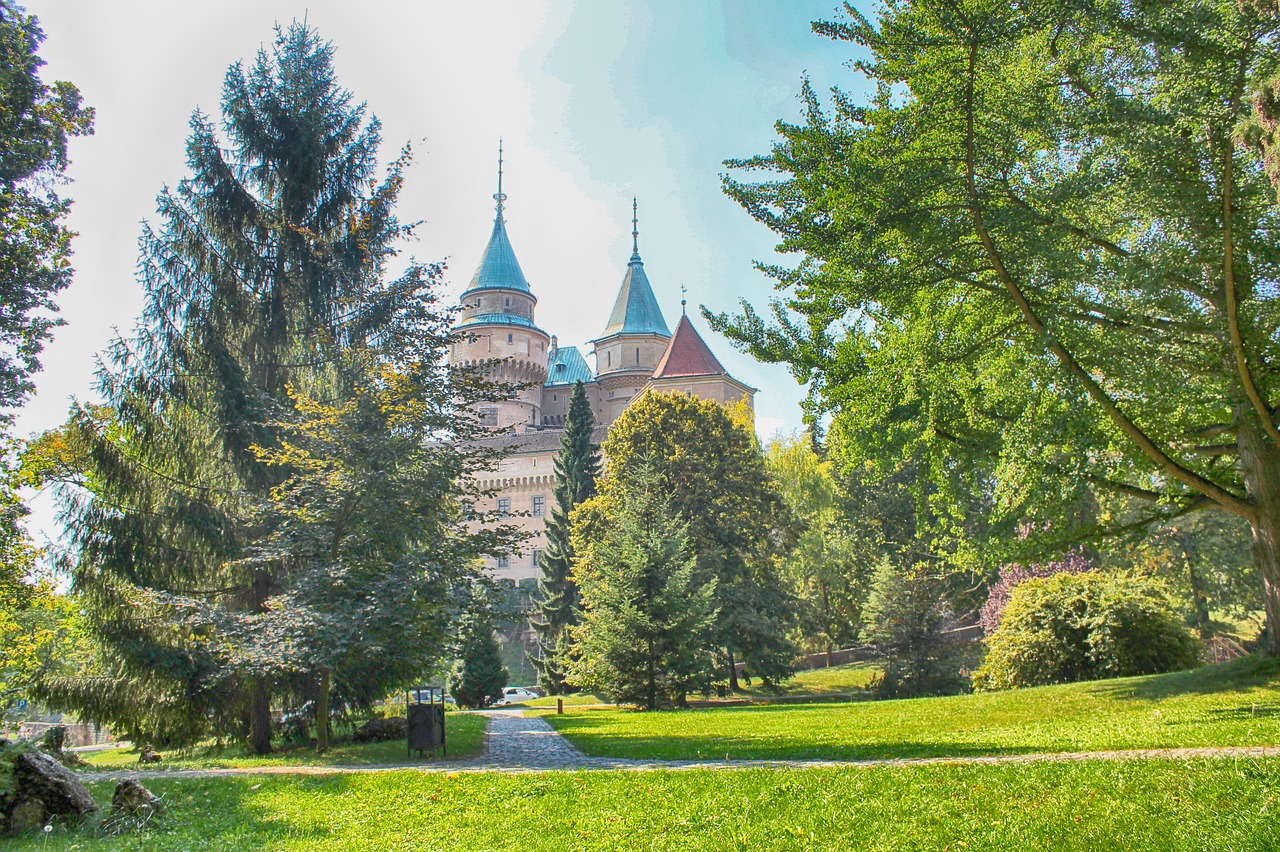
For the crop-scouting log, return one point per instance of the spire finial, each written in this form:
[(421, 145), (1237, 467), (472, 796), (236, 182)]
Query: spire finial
[(500, 196), (635, 233), (683, 301)]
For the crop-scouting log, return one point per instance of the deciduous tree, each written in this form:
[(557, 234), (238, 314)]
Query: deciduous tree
[(1040, 252)]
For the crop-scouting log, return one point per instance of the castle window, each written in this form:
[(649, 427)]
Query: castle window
[(508, 338), (539, 506), (637, 354), (504, 505), (506, 303), (537, 555), (503, 562), (555, 398), (609, 358), (488, 417)]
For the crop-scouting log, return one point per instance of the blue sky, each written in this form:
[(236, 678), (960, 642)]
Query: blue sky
[(596, 100)]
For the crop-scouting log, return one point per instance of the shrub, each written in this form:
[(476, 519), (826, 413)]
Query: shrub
[(1014, 574), (1087, 626)]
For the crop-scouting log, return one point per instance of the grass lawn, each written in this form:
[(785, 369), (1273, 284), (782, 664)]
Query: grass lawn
[(850, 678), (1234, 704), (465, 733), (1167, 805)]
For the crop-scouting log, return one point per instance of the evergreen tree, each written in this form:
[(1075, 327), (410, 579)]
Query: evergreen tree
[(906, 616), (645, 632), (250, 485), (556, 607), (479, 677)]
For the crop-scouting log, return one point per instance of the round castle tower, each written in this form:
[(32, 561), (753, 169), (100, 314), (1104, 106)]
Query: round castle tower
[(497, 321)]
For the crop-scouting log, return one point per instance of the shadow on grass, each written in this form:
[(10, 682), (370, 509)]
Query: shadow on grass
[(1238, 675)]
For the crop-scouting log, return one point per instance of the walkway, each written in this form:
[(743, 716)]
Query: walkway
[(518, 743)]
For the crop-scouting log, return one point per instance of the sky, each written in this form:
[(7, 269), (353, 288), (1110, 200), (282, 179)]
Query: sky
[(595, 101)]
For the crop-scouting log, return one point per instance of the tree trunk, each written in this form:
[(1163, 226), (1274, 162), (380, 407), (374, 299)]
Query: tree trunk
[(259, 719), (733, 671), (1196, 580), (322, 713), (1260, 464)]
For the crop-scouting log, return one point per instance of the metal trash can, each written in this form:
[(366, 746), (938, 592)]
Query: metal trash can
[(424, 713)]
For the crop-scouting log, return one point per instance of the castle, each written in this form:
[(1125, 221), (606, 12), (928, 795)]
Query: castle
[(634, 353)]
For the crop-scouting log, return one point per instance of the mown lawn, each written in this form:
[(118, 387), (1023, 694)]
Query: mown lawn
[(1099, 805), (464, 732), (1235, 704)]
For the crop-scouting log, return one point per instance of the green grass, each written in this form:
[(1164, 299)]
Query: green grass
[(850, 678), (465, 734), (1235, 704), (577, 699), (1167, 805)]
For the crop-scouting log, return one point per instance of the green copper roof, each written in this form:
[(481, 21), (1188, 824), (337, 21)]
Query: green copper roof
[(499, 269), (566, 366), (636, 311), (498, 319)]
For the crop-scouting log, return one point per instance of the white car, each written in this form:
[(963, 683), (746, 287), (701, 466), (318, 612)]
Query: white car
[(516, 695)]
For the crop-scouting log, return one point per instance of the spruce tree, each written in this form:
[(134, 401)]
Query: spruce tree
[(556, 607), (229, 549), (646, 631)]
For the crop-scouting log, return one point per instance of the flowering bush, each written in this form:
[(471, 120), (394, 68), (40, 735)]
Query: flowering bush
[(1014, 574)]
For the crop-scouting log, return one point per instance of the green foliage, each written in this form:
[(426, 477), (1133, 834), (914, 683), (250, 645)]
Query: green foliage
[(479, 676), (556, 607), (738, 524), (828, 573), (1036, 259), (36, 122), (272, 500), (1072, 627), (644, 636), (906, 616)]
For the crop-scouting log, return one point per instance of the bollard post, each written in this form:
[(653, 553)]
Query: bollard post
[(560, 706)]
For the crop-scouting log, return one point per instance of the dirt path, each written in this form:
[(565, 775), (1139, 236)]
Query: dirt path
[(518, 743)]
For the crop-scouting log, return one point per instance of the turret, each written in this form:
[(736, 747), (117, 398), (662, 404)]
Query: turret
[(634, 339), (497, 320)]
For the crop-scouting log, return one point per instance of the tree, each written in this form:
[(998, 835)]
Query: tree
[(825, 573), (1040, 251), (479, 676), (36, 121), (274, 457), (556, 607), (739, 525), (645, 632), (906, 617)]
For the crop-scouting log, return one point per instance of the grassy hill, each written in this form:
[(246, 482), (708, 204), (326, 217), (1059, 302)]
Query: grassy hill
[(1234, 704)]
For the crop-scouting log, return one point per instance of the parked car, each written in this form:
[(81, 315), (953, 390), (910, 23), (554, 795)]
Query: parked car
[(516, 695)]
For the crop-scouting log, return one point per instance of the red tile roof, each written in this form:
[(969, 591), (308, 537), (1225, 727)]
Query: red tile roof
[(687, 355)]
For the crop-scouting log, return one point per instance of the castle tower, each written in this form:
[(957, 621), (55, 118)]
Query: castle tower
[(497, 320), (634, 339)]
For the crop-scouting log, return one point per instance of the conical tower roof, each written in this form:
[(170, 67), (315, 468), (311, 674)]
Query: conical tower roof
[(687, 355), (636, 310), (499, 269)]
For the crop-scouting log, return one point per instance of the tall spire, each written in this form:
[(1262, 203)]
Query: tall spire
[(635, 233), (500, 196)]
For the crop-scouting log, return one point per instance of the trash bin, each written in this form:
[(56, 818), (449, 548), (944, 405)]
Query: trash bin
[(424, 713)]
